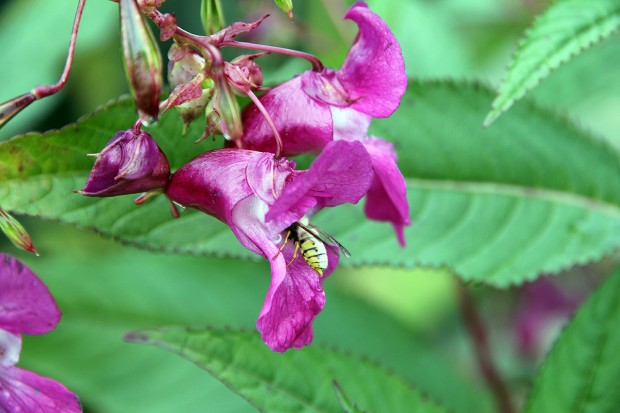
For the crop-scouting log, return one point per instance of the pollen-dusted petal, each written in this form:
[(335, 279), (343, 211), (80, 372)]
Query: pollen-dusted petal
[(373, 72), (24, 391), (128, 164), (342, 173), (304, 123), (26, 305), (325, 87), (387, 198)]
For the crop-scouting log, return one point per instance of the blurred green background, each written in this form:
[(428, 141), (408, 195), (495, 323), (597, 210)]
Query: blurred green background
[(404, 319)]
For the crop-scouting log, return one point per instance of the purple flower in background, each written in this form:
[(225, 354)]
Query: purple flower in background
[(544, 307), (316, 108), (26, 307), (263, 199), (130, 163)]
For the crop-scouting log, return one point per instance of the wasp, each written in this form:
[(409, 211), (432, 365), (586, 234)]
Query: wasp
[(310, 240)]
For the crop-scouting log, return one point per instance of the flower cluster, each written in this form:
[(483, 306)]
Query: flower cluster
[(250, 184), (26, 307)]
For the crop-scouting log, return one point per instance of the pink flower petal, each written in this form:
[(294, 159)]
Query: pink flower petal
[(26, 305), (374, 71), (294, 299), (342, 173), (387, 198), (23, 391), (349, 124), (205, 182), (304, 123)]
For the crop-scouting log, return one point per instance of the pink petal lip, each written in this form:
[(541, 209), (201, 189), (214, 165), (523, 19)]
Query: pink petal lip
[(24, 391), (373, 72), (26, 305)]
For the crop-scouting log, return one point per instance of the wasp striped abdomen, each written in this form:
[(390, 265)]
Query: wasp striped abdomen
[(312, 249)]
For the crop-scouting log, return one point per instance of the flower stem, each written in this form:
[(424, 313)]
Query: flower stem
[(46, 90), (317, 65), (476, 330), (269, 120)]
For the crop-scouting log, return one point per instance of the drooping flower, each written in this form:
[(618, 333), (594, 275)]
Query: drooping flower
[(262, 199), (371, 81), (27, 307), (316, 108), (130, 163)]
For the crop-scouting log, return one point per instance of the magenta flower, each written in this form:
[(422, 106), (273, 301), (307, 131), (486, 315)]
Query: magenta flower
[(316, 108), (262, 199), (130, 163), (544, 307), (26, 307), (371, 81)]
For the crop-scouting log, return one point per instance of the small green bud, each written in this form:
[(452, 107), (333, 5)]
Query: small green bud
[(142, 60), (212, 16), (15, 232), (227, 107), (13, 106), (286, 6)]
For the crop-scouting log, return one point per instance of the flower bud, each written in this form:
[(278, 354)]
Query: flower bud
[(213, 123), (130, 163), (212, 16), (192, 91), (13, 106), (15, 232), (244, 73), (227, 107), (286, 6), (142, 60)]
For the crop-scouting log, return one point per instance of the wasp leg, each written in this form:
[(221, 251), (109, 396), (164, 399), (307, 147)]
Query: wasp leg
[(288, 234), (294, 254)]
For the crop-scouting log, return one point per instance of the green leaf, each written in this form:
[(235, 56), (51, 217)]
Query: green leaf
[(566, 29), (583, 368), (532, 194), (294, 381), (343, 399)]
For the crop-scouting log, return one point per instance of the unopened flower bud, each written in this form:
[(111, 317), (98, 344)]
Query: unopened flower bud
[(142, 60), (192, 91), (212, 16), (185, 64), (130, 163), (13, 106), (286, 6), (213, 122), (244, 73), (15, 232), (227, 107)]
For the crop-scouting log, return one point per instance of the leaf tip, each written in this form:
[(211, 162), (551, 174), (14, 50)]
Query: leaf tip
[(140, 336)]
